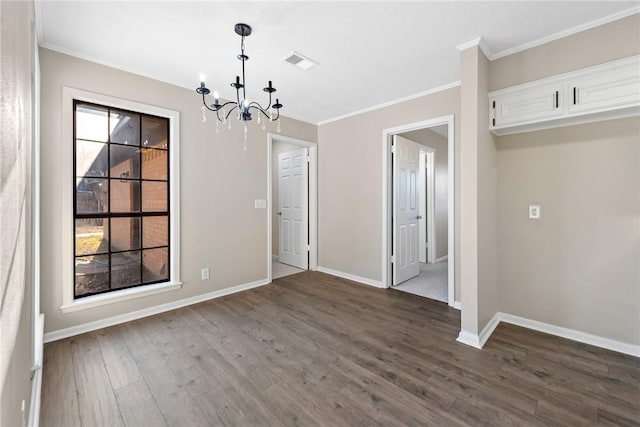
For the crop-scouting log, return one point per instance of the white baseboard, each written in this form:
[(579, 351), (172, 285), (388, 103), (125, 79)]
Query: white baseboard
[(348, 276), (274, 257), (478, 341), (489, 328), (36, 381), (572, 334), (442, 258), (127, 317), (469, 338), (457, 305)]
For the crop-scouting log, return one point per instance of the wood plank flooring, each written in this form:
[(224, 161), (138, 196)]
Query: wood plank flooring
[(315, 350)]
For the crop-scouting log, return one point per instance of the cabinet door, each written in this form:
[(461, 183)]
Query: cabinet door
[(527, 105), (605, 88)]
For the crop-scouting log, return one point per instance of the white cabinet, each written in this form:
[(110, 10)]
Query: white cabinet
[(605, 91), (606, 87), (532, 104)]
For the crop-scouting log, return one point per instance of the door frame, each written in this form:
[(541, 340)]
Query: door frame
[(387, 199), (427, 205), (313, 198)]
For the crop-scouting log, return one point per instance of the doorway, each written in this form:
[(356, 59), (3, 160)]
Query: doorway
[(418, 209), (292, 213)]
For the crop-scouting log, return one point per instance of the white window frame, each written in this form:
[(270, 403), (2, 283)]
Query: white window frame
[(69, 304)]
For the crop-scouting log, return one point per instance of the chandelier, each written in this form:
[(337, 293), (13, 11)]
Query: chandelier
[(242, 107)]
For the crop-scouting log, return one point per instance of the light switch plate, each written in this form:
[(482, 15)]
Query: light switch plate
[(204, 273), (534, 211), (260, 203)]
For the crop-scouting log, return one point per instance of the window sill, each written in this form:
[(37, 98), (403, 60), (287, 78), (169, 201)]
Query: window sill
[(117, 296)]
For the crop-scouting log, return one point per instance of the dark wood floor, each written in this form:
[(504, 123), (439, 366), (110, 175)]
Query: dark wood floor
[(315, 350)]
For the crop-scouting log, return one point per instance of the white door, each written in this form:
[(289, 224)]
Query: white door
[(406, 172), (293, 208)]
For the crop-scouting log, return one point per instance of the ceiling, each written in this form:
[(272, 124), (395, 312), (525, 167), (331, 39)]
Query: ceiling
[(369, 53)]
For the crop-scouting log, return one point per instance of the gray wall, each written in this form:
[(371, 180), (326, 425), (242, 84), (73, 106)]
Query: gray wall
[(439, 144), (350, 182), (478, 261), (488, 286), (16, 143), (578, 266), (220, 228)]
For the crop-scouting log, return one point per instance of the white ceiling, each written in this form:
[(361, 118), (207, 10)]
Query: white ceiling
[(369, 52)]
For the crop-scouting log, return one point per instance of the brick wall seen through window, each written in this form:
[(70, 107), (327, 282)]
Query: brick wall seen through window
[(121, 205)]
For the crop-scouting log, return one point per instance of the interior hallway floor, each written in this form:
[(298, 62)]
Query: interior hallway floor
[(279, 269), (316, 350), (432, 282)]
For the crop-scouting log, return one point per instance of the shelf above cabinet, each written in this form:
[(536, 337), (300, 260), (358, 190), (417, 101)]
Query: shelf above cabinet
[(601, 92)]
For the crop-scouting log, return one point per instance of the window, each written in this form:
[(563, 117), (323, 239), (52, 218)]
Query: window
[(121, 205), (121, 200)]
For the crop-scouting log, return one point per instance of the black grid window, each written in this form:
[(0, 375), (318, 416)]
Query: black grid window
[(121, 203)]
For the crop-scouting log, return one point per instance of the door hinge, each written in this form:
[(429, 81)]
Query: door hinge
[(308, 248), (393, 259), (393, 148), (308, 159)]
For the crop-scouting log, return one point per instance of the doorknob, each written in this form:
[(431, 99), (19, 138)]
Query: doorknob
[(279, 213), (419, 217)]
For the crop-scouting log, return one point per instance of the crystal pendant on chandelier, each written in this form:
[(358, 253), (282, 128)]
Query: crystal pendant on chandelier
[(243, 109), (245, 136)]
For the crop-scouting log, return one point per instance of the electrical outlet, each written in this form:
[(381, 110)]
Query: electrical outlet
[(534, 211), (204, 273)]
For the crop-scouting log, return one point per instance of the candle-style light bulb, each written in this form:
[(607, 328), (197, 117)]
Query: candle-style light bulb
[(202, 79), (216, 97)]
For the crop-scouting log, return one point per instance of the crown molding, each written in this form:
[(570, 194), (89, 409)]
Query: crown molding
[(566, 33), (479, 41), (392, 102)]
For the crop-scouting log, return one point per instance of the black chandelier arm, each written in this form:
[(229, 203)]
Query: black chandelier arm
[(209, 108), (260, 110), (218, 108), (204, 102), (221, 107), (230, 111), (257, 105)]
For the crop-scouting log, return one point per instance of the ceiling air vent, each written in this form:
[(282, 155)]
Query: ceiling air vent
[(300, 61)]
